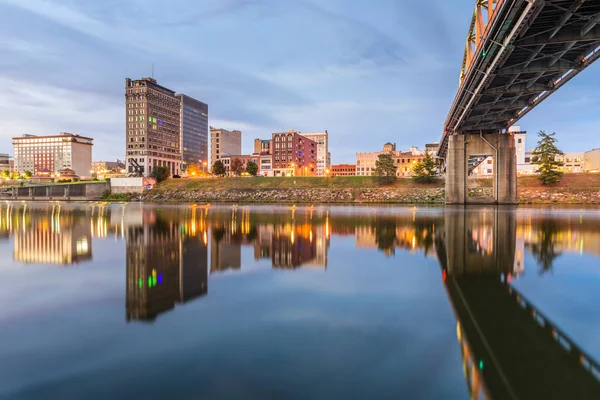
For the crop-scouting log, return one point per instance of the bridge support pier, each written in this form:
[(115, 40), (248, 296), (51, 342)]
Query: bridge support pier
[(499, 146)]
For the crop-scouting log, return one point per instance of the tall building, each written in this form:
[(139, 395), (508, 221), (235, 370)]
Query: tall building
[(194, 131), (224, 142), (294, 155), (53, 153), (153, 126), (323, 155)]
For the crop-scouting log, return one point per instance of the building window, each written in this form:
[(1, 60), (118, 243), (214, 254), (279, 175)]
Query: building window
[(520, 141)]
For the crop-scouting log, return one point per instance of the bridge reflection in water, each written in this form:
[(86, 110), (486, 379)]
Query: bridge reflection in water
[(510, 349)]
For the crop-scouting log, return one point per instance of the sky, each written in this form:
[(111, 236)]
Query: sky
[(367, 74)]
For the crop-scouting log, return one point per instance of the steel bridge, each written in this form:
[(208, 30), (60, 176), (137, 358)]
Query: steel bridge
[(518, 52)]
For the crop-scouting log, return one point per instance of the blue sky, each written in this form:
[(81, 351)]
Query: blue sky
[(368, 74)]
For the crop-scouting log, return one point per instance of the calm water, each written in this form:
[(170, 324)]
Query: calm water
[(141, 301)]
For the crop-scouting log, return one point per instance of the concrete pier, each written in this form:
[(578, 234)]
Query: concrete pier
[(501, 147)]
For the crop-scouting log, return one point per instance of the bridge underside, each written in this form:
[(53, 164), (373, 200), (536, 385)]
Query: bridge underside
[(528, 51)]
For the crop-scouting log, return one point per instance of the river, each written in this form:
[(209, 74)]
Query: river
[(191, 301)]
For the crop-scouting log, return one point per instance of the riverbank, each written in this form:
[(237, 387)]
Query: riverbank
[(573, 189)]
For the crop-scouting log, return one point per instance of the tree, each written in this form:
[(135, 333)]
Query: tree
[(27, 174), (160, 173), (252, 168), (385, 170), (237, 166), (16, 175), (425, 170), (6, 174), (545, 157), (218, 168), (544, 249)]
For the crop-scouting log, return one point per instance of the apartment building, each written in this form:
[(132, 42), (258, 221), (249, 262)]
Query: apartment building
[(193, 125), (323, 154), (293, 155)]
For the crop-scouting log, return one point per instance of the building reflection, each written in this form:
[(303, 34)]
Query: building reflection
[(166, 264), (47, 235)]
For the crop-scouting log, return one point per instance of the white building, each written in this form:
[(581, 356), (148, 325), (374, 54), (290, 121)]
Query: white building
[(53, 153), (323, 155)]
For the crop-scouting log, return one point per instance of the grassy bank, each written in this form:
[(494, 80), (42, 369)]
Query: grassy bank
[(337, 182), (573, 189)]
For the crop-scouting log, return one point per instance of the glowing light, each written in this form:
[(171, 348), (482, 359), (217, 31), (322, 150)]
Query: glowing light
[(444, 275), (159, 278), (481, 364), (149, 281), (140, 283)]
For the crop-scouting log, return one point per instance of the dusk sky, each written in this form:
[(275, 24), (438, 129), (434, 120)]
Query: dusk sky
[(367, 74)]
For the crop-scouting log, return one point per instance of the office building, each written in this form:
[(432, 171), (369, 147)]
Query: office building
[(224, 143), (323, 155), (592, 160), (53, 153), (153, 127), (343, 170), (293, 155), (6, 164), (404, 160), (194, 131), (573, 162)]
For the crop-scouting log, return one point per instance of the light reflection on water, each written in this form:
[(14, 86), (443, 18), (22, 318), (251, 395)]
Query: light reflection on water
[(357, 268)]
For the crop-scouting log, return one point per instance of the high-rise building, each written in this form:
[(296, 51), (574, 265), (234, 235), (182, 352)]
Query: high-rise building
[(224, 142), (153, 127), (194, 132), (323, 155), (53, 153), (294, 154)]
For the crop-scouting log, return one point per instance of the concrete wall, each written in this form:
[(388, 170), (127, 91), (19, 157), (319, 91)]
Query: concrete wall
[(78, 191), (130, 185)]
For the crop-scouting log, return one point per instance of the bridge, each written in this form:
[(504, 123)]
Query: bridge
[(518, 52), (510, 349)]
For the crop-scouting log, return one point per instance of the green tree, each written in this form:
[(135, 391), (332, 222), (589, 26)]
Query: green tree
[(545, 157), (385, 170), (160, 173), (218, 168), (6, 174), (16, 175), (425, 170), (27, 174), (252, 168), (237, 166)]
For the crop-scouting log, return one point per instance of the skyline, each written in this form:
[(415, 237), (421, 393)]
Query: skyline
[(354, 70)]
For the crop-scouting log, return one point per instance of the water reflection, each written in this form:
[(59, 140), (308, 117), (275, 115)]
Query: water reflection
[(504, 339)]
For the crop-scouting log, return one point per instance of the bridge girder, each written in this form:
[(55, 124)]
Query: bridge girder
[(525, 51)]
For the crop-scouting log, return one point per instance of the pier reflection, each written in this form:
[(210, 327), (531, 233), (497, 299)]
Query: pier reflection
[(510, 348)]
